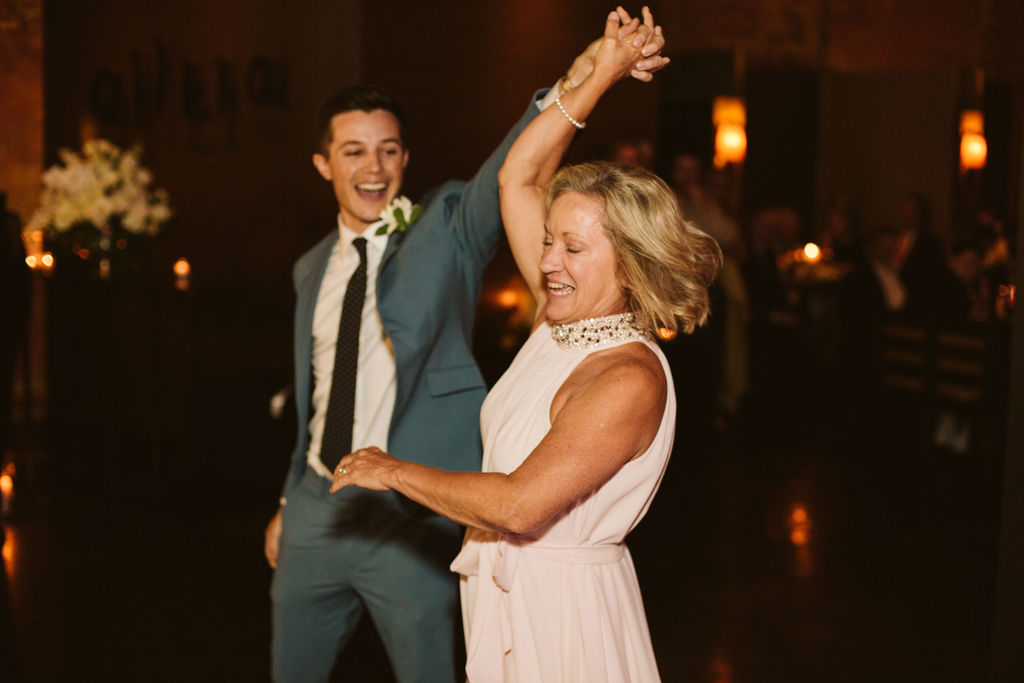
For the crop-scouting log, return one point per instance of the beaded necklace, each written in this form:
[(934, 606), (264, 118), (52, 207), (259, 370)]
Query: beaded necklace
[(592, 333)]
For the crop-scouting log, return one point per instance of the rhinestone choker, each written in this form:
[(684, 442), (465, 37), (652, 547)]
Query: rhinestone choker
[(591, 333)]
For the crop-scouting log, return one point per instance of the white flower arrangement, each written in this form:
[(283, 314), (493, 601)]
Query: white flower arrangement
[(105, 188), (398, 215)]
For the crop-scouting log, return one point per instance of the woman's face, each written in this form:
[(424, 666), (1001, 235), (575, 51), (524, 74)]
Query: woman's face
[(579, 264)]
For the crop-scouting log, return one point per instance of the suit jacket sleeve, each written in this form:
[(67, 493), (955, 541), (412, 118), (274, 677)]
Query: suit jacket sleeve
[(476, 219)]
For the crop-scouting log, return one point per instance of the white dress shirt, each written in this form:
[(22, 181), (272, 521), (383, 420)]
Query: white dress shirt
[(375, 374)]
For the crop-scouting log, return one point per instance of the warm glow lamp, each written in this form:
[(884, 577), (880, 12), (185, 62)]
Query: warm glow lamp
[(6, 488), (812, 253), (973, 147), (508, 298), (729, 116), (182, 274)]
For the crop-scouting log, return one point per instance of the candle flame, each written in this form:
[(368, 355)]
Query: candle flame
[(812, 253)]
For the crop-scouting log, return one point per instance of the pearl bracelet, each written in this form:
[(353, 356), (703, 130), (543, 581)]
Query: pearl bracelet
[(558, 103)]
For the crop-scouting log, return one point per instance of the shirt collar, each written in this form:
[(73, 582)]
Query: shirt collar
[(374, 241)]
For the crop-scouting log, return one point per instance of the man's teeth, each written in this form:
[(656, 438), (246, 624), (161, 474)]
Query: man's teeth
[(375, 187), (558, 286)]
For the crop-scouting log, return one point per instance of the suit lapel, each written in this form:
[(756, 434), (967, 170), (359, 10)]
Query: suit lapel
[(394, 239), (307, 288)]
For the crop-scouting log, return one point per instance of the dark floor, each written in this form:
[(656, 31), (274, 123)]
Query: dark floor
[(785, 550)]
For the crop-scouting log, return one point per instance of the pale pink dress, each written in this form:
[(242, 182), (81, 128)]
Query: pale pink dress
[(562, 604)]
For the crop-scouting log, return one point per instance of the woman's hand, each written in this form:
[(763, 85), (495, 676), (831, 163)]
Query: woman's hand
[(369, 468)]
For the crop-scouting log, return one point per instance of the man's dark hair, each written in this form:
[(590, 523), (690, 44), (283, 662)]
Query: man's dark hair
[(353, 98)]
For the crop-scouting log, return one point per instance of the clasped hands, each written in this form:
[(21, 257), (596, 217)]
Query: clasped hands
[(642, 54)]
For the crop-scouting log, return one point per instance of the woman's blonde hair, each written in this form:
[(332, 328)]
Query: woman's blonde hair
[(666, 264)]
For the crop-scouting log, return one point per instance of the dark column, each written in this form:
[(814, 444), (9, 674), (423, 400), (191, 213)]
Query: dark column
[(1008, 634)]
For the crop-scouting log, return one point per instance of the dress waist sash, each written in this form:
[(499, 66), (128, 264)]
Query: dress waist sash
[(491, 637), (510, 546)]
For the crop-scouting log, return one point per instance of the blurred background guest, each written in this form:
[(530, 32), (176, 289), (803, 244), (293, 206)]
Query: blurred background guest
[(919, 257), (632, 152), (841, 235), (704, 202)]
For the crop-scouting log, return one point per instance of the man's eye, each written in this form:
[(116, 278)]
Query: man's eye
[(353, 153)]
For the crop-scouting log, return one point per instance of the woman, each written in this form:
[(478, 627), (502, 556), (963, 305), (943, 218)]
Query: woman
[(578, 432)]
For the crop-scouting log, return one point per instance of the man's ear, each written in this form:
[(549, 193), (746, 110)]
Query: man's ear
[(324, 168), (405, 158)]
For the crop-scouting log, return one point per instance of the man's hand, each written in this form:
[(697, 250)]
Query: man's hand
[(647, 36), (272, 539)]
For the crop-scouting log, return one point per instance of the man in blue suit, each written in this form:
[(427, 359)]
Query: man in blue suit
[(412, 388)]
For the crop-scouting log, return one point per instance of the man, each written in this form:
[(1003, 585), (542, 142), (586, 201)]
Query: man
[(408, 385)]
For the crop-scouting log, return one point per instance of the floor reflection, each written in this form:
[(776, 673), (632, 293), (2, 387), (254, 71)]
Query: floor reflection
[(10, 655), (721, 670), (852, 557), (800, 536)]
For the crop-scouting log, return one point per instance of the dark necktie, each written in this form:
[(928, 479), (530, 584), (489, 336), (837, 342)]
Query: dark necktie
[(337, 438)]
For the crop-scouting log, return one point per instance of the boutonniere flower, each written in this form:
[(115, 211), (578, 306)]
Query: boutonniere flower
[(398, 215)]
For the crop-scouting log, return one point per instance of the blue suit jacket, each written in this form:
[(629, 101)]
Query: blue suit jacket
[(428, 287)]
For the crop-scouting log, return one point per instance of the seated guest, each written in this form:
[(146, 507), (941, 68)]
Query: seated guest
[(966, 294)]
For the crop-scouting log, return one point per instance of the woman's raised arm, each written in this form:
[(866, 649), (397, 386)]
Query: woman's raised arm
[(537, 153)]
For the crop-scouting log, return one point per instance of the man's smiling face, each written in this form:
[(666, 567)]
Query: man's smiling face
[(365, 164)]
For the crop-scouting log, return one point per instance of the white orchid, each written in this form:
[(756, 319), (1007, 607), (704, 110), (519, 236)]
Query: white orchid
[(398, 215), (103, 185)]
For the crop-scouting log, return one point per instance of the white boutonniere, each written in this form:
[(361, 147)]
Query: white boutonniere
[(398, 215)]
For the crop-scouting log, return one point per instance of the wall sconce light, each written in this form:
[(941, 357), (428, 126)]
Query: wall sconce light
[(729, 116), (6, 488), (973, 147), (182, 274)]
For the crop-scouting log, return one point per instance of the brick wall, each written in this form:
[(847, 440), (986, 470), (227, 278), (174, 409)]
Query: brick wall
[(854, 35), (21, 103)]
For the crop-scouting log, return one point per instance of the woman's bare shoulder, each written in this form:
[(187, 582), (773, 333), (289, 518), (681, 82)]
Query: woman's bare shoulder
[(635, 361), (631, 373)]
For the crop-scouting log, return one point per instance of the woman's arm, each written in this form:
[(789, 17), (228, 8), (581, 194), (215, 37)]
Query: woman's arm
[(607, 413), (537, 152)]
